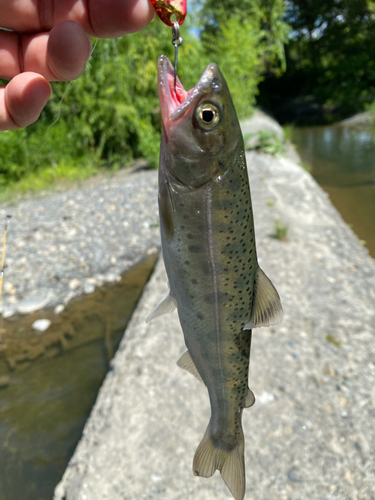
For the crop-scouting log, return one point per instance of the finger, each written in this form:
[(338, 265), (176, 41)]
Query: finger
[(102, 18), (58, 55), (22, 100), (114, 18), (68, 50)]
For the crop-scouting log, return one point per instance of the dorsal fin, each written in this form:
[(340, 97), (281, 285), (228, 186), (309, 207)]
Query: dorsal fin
[(267, 308), (186, 363), (166, 306)]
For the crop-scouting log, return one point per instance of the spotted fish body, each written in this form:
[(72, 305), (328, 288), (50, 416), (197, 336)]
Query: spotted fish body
[(209, 251)]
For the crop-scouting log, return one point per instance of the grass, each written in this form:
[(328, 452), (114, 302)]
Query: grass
[(281, 231), (332, 340)]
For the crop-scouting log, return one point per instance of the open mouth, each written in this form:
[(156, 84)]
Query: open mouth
[(175, 103)]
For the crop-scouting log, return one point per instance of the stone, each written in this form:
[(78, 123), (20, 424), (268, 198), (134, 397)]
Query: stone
[(88, 288), (9, 288), (41, 325), (74, 284), (4, 381), (59, 309), (32, 303)]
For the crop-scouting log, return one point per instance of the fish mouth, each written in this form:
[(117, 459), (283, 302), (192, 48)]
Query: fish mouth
[(176, 103)]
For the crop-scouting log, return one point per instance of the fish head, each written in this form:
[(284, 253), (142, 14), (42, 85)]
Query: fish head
[(200, 126)]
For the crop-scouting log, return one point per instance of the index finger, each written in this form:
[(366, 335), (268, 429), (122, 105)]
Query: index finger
[(100, 18)]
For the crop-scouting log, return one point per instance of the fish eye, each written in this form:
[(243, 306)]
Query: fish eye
[(207, 115)]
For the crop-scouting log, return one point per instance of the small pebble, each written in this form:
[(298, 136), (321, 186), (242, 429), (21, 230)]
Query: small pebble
[(41, 325), (7, 313), (74, 284), (59, 309), (9, 288), (88, 288), (4, 381)]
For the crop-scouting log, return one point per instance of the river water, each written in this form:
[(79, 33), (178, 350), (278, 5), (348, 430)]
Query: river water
[(343, 163), (50, 382)]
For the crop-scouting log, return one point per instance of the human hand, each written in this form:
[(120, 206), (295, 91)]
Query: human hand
[(49, 41)]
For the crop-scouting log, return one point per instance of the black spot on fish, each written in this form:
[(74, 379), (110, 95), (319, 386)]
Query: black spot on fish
[(190, 236), (200, 316), (194, 281), (194, 248), (187, 262)]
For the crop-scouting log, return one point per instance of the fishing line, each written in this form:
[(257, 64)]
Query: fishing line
[(59, 107), (7, 217)]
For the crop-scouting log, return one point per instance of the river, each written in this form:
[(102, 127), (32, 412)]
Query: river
[(51, 382), (343, 163)]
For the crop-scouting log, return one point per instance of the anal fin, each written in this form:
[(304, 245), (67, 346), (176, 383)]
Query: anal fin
[(250, 398), (166, 306), (267, 309), (186, 363)]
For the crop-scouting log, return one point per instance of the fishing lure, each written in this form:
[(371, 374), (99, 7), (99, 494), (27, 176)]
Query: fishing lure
[(172, 13)]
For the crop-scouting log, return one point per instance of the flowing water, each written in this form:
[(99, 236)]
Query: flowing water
[(49, 382), (343, 163)]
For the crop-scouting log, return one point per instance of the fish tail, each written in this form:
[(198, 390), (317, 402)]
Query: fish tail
[(211, 456)]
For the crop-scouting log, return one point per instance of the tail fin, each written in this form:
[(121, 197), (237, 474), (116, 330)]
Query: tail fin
[(230, 464)]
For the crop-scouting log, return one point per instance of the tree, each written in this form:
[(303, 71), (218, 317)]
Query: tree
[(331, 52), (247, 40)]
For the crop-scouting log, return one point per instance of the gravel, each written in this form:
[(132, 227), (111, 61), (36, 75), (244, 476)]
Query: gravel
[(66, 244)]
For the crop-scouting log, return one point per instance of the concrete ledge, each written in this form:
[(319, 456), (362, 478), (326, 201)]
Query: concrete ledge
[(311, 432)]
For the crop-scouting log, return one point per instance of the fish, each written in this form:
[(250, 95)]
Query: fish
[(209, 251)]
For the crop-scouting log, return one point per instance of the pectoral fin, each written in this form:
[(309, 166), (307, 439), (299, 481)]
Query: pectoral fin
[(166, 209), (267, 308), (166, 306), (186, 363)]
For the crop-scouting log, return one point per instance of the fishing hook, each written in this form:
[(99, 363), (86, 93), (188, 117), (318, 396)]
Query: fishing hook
[(176, 41)]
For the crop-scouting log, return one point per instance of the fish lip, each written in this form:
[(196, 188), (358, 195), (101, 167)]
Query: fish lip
[(172, 111)]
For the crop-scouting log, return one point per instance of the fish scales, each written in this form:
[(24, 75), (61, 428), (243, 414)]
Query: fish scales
[(209, 252)]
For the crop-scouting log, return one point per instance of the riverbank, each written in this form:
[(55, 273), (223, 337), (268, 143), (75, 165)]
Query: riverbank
[(309, 434), (65, 244)]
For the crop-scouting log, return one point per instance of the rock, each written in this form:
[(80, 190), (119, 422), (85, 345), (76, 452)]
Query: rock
[(41, 325), (32, 303), (59, 309), (74, 284), (88, 288), (365, 119), (149, 414), (4, 381), (8, 312), (9, 288)]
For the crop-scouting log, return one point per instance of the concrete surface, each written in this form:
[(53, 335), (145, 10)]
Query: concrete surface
[(311, 433)]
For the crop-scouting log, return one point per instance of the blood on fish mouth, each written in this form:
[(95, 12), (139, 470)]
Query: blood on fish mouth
[(179, 95)]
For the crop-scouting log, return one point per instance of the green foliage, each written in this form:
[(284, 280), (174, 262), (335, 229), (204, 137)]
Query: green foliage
[(111, 115), (331, 52), (332, 340), (244, 42), (108, 117), (281, 230), (269, 143)]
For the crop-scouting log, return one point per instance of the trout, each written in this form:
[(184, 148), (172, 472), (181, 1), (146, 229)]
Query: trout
[(208, 244)]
